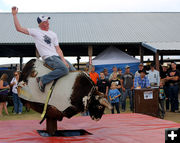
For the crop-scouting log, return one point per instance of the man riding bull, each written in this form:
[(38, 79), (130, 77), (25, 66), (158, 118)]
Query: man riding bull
[(46, 42)]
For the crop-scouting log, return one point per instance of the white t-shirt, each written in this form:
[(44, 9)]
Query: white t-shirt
[(14, 88), (154, 77), (45, 42)]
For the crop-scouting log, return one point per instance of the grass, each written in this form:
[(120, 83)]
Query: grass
[(32, 115)]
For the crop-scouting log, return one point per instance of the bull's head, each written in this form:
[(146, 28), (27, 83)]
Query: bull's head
[(97, 105)]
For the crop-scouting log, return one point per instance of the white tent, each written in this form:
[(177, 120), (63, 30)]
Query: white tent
[(114, 57)]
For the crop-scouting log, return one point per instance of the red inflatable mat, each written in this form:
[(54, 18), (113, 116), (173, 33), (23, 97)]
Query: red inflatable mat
[(124, 128)]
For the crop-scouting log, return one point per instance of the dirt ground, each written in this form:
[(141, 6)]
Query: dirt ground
[(175, 117), (171, 116)]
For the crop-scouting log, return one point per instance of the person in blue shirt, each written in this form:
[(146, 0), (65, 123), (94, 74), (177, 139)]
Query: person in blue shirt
[(114, 94), (141, 81), (162, 97)]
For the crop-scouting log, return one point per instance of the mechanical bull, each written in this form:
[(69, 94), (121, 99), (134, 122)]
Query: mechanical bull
[(72, 94)]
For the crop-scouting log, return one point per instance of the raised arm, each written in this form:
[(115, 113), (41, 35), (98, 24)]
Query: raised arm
[(16, 22)]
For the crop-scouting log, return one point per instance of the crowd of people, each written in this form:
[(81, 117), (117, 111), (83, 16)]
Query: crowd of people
[(117, 86), (5, 88)]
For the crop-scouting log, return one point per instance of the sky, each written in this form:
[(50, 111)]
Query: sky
[(91, 5), (87, 6)]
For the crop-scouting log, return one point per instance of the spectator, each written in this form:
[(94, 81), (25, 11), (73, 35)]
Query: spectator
[(173, 79), (106, 74), (114, 97), (115, 80), (141, 67), (103, 84), (119, 76), (153, 76), (161, 97), (4, 89), (114, 71), (94, 75), (163, 75), (141, 81), (16, 100), (127, 84), (86, 70)]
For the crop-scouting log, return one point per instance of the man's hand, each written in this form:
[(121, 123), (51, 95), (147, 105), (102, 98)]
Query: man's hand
[(14, 10), (7, 87), (67, 65), (168, 78), (14, 83), (123, 89)]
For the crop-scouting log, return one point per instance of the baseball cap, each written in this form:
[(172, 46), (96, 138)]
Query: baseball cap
[(127, 66), (174, 62), (152, 65), (42, 18), (144, 71)]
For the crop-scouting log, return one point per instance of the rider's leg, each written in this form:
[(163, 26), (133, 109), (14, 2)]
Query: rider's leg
[(59, 67)]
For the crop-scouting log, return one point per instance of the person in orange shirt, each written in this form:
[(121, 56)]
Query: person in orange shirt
[(94, 75)]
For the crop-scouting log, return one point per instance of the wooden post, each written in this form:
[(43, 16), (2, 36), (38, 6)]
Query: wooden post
[(21, 63), (157, 60), (161, 58), (141, 53), (51, 126), (90, 54), (78, 61), (154, 57)]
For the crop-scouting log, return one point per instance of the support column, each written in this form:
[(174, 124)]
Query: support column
[(162, 59), (157, 60), (90, 54), (51, 126), (141, 53), (21, 63), (78, 61), (154, 57)]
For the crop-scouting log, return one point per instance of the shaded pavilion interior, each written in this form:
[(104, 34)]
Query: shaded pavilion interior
[(133, 49)]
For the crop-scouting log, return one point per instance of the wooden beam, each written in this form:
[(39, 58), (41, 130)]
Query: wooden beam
[(90, 54), (161, 59), (141, 53), (78, 61), (21, 63), (157, 60)]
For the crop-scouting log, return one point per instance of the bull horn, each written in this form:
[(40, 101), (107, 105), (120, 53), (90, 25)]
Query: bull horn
[(104, 102)]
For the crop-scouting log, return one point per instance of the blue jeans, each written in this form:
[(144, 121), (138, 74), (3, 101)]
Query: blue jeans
[(17, 103), (116, 104), (173, 95), (120, 98), (166, 88), (128, 92), (59, 67), (85, 113)]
